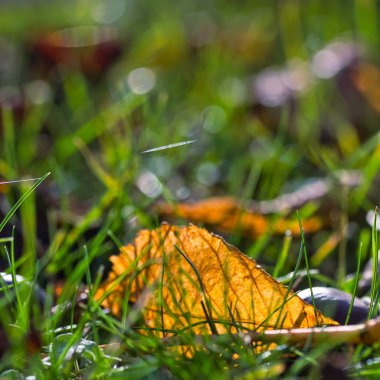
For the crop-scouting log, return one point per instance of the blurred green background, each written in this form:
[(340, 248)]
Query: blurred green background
[(275, 93)]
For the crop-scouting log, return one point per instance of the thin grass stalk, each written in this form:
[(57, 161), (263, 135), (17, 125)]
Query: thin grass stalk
[(375, 265), (307, 265), (357, 276), (21, 201), (283, 254), (207, 306)]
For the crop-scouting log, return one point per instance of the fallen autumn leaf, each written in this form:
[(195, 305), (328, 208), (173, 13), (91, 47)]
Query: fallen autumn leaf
[(225, 214), (196, 280)]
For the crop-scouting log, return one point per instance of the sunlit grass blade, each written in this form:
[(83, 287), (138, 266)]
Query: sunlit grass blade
[(375, 265), (19, 181), (325, 250), (206, 305), (95, 166), (307, 264), (20, 201), (169, 146), (289, 288), (59, 252), (356, 281), (283, 254)]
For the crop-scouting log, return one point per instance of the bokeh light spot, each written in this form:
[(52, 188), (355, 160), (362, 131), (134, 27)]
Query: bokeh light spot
[(141, 80)]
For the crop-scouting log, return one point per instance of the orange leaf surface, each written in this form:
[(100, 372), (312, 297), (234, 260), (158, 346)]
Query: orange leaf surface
[(226, 215), (198, 267), (4, 188)]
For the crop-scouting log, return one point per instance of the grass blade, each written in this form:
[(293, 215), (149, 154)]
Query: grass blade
[(357, 275), (20, 201), (307, 265), (169, 146), (375, 265), (205, 305)]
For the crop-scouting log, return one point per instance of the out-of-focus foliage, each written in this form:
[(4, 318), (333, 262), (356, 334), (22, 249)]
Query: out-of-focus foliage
[(275, 95), (278, 96)]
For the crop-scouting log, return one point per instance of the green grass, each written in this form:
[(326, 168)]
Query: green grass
[(90, 131)]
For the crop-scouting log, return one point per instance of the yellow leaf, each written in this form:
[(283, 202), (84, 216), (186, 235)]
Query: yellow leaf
[(225, 214), (204, 279)]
